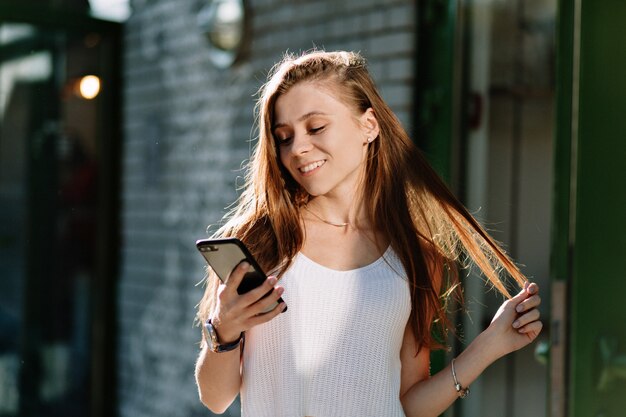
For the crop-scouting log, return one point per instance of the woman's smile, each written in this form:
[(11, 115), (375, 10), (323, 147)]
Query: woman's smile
[(309, 169)]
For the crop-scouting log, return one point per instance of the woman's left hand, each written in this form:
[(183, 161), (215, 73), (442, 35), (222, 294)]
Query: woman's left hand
[(516, 323)]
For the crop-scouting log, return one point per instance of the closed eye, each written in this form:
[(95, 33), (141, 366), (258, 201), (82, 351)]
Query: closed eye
[(316, 130), (284, 141)]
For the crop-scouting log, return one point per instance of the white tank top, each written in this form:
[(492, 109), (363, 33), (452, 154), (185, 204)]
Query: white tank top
[(336, 351)]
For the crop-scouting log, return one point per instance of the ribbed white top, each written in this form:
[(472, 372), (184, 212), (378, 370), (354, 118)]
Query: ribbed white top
[(336, 351)]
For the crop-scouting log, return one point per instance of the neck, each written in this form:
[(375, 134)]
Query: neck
[(343, 224), (338, 213)]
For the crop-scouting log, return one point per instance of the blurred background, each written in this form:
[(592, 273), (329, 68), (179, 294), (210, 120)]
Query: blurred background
[(124, 124)]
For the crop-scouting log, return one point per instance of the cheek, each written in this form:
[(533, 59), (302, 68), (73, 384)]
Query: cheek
[(282, 155), (283, 159)]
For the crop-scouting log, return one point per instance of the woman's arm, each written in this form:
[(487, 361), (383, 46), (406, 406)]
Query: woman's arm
[(515, 325), (218, 375)]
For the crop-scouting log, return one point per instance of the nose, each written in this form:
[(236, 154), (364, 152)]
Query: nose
[(301, 143)]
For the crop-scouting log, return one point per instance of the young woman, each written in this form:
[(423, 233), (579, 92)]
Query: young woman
[(365, 240)]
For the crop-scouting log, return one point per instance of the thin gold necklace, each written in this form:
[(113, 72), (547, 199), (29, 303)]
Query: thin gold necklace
[(326, 221)]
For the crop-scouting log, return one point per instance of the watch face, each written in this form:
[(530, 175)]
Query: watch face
[(212, 339)]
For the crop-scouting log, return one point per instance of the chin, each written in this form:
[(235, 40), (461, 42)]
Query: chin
[(315, 191), (312, 193)]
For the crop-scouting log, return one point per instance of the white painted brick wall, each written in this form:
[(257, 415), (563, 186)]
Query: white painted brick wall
[(187, 127)]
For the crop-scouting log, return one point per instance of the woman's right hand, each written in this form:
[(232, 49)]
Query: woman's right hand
[(235, 313)]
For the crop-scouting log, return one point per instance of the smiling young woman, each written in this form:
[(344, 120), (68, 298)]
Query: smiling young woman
[(360, 232)]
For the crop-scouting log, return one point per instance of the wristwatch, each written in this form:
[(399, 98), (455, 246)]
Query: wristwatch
[(214, 343)]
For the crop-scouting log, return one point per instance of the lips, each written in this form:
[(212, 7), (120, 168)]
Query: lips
[(310, 167)]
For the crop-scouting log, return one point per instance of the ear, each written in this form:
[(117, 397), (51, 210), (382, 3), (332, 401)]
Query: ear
[(369, 125)]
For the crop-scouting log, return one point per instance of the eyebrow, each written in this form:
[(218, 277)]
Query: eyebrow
[(301, 118)]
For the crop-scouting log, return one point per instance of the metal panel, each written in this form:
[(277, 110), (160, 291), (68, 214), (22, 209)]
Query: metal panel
[(596, 230)]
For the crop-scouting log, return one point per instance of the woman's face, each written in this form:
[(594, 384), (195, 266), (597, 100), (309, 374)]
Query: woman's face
[(322, 142)]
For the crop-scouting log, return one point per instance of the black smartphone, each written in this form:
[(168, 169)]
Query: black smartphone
[(224, 254)]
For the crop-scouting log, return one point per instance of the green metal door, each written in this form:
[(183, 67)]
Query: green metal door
[(590, 208)]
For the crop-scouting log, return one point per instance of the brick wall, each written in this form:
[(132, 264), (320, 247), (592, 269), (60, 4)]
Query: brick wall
[(187, 129)]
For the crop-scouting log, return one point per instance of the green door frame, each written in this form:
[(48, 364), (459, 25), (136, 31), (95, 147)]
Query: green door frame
[(437, 84), (41, 15), (436, 94), (561, 251)]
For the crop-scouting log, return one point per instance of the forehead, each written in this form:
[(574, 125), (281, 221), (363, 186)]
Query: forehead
[(309, 98)]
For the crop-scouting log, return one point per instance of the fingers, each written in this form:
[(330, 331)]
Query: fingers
[(520, 296), (266, 303), (531, 316), (531, 302), (532, 329), (531, 287), (265, 317), (527, 292), (528, 311), (527, 299), (236, 313), (235, 276), (259, 292)]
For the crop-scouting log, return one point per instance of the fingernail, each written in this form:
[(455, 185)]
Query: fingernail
[(519, 308), (271, 280), (515, 324), (280, 290), (244, 265)]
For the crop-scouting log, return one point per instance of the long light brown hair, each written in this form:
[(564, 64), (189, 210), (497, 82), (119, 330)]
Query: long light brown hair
[(428, 228)]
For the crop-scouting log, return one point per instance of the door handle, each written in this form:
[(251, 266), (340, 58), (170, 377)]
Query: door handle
[(613, 363)]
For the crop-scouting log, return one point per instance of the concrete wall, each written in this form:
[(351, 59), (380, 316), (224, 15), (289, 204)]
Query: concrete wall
[(187, 128)]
